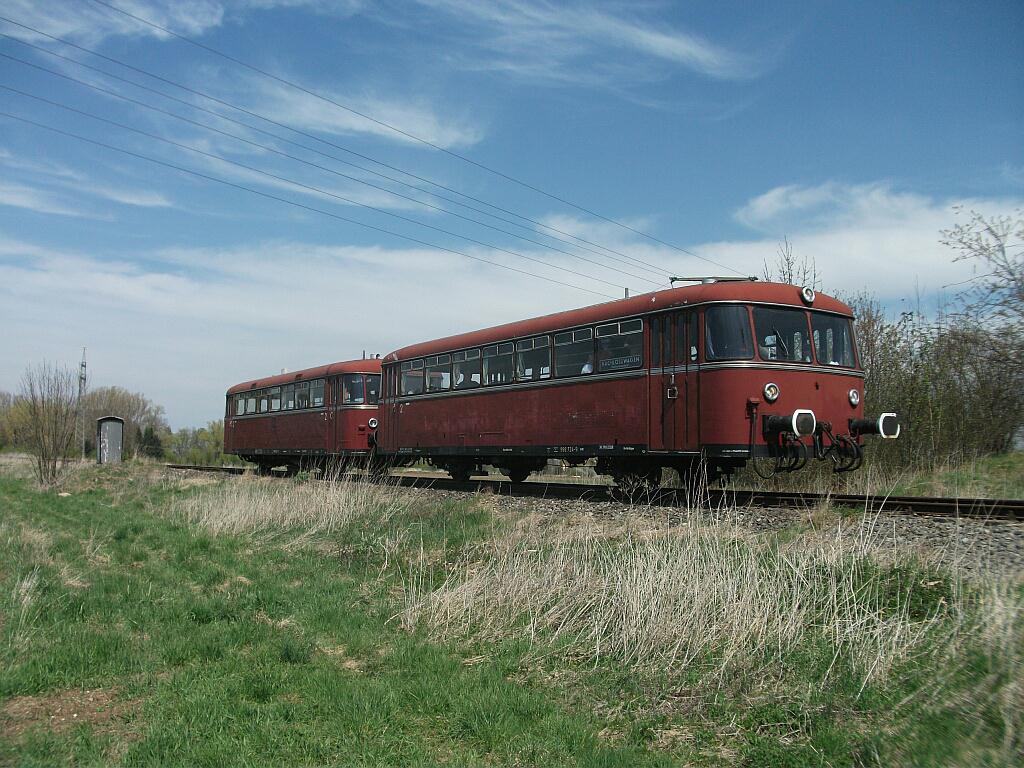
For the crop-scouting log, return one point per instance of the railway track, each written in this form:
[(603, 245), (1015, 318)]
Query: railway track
[(975, 508)]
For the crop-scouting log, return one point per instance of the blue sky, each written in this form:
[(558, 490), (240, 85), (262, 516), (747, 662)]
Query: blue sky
[(852, 129)]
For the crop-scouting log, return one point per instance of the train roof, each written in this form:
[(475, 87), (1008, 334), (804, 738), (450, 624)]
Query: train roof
[(726, 290), (369, 365)]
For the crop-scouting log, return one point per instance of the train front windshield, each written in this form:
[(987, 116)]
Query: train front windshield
[(833, 340)]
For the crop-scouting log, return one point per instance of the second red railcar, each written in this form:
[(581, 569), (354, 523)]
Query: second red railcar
[(315, 418)]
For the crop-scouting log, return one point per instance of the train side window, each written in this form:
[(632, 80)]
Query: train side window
[(287, 397), (727, 334), (372, 388), (467, 369), (316, 393), (264, 403), (620, 346), (239, 405), (499, 367), (439, 373), (574, 352), (302, 394), (353, 391), (412, 377), (275, 398), (533, 359), (250, 403)]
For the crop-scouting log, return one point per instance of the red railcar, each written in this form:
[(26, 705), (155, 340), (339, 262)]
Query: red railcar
[(701, 379), (317, 417)]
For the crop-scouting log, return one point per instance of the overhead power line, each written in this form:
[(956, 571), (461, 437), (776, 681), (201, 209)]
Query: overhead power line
[(286, 201), (278, 152), (406, 134), (536, 223), (300, 185)]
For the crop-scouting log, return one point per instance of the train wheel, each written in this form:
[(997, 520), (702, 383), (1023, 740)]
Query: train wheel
[(517, 474), (460, 471)]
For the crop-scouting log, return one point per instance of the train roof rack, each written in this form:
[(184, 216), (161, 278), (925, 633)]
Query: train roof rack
[(712, 279)]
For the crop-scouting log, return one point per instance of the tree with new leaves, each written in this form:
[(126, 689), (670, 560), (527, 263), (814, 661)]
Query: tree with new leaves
[(49, 394), (139, 414)]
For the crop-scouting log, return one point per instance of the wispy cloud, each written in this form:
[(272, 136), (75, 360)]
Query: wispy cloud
[(570, 42), (60, 180), (36, 200), (90, 24), (408, 113), (294, 180), (829, 204)]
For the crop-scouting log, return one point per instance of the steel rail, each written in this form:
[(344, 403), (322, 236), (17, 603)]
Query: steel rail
[(996, 510)]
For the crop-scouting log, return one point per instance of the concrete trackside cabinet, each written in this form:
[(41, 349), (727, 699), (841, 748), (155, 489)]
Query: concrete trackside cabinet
[(109, 440)]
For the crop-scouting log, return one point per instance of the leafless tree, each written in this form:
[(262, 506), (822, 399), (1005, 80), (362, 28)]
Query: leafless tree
[(50, 395), (996, 244), (792, 269)]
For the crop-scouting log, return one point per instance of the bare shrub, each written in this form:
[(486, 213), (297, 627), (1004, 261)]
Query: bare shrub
[(994, 244), (251, 505), (947, 377), (50, 397)]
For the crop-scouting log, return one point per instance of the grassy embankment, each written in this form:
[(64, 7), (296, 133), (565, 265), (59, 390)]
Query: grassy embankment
[(147, 620)]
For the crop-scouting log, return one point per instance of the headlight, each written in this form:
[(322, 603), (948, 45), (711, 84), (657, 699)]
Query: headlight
[(771, 392), (804, 422), (807, 294), (854, 398), (373, 423)]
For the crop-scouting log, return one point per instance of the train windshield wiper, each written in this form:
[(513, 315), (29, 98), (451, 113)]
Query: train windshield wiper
[(781, 342)]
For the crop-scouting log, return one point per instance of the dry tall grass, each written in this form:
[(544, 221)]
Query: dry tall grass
[(252, 505), (699, 597), (22, 608)]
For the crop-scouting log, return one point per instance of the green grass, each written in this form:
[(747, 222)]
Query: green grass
[(990, 476), (279, 648), (298, 666), (995, 477)]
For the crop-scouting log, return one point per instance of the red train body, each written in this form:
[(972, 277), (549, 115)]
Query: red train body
[(700, 379), (309, 418)]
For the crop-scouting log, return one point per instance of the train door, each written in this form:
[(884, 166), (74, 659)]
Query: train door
[(390, 408), (687, 422), (663, 394), (336, 424)]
